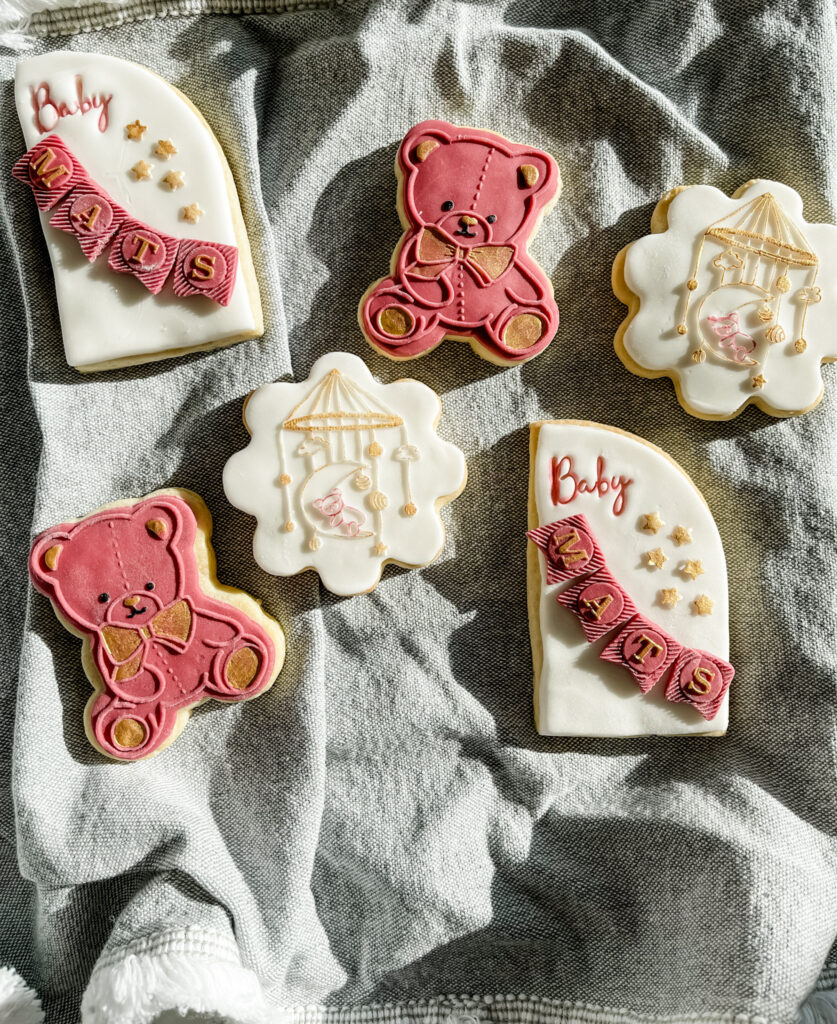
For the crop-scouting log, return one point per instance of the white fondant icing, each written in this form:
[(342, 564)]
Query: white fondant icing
[(658, 267), (295, 439), (578, 694), (107, 316)]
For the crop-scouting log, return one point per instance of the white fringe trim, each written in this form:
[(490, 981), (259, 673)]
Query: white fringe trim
[(138, 989), (819, 1008), (18, 1003), (15, 16)]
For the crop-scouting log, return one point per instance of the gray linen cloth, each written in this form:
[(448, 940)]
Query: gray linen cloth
[(384, 837)]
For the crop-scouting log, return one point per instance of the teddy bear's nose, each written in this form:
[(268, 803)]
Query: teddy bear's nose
[(468, 221), (131, 602)]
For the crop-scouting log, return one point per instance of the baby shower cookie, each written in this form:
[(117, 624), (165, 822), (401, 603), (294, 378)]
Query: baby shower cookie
[(469, 202), (142, 221), (732, 298), (344, 475), (136, 582), (628, 607)]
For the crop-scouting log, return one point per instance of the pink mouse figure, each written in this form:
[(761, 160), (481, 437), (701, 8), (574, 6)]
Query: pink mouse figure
[(469, 202), (339, 514), (127, 581)]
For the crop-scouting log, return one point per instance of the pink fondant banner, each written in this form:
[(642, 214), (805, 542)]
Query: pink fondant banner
[(639, 645), (85, 210)]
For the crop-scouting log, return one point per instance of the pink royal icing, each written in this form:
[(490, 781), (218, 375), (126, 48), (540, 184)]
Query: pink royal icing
[(146, 254), (128, 579), (700, 679), (89, 213), (567, 484), (599, 602), (728, 328), (50, 170), (92, 217), (569, 548), (49, 111), (472, 200), (204, 268), (644, 649)]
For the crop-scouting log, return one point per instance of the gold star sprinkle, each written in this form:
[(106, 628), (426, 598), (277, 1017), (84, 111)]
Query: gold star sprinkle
[(653, 522), (656, 558), (759, 381), (703, 605), (380, 549), (192, 213), (693, 568), (681, 535), (165, 148), (135, 131), (669, 598), (142, 170), (174, 179)]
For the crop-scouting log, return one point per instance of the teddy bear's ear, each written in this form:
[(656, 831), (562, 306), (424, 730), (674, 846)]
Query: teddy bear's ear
[(535, 172), (423, 140), (162, 518), (45, 559)]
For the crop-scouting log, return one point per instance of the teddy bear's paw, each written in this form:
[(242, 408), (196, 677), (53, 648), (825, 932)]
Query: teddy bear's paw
[(242, 668), (523, 331), (127, 732), (395, 321)]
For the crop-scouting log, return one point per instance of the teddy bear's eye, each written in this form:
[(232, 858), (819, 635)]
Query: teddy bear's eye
[(104, 598), (448, 204), (491, 218), (149, 586)]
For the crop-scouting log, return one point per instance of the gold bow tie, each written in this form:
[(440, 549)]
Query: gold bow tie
[(436, 252), (127, 645)]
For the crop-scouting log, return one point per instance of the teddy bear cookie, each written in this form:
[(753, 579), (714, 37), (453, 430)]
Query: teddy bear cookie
[(732, 299), (142, 221), (628, 606), (469, 202), (136, 582), (344, 475)]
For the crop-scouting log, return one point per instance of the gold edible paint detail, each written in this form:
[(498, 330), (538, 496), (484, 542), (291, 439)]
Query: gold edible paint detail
[(142, 170), (652, 523), (129, 733), (656, 559), (157, 527), (681, 535), (135, 131), (51, 556), (648, 646), (165, 148), (192, 213), (174, 179)]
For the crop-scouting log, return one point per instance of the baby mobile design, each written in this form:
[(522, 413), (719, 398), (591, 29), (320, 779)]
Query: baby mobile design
[(765, 258), (341, 448)]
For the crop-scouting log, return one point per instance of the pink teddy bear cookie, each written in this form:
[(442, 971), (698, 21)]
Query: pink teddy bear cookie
[(469, 202), (136, 582)]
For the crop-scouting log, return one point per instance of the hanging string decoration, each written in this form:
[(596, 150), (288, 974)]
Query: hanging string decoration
[(345, 434), (764, 280)]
